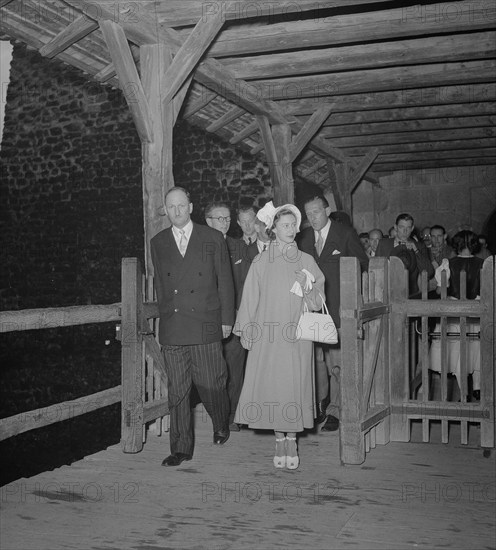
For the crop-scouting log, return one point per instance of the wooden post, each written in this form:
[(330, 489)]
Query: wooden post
[(341, 170), (284, 190), (398, 350), (157, 155), (132, 357), (488, 351), (352, 446)]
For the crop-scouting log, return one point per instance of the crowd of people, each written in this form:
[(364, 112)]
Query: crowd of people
[(229, 310)]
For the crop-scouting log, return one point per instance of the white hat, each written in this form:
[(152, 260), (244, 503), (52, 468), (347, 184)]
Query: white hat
[(268, 213)]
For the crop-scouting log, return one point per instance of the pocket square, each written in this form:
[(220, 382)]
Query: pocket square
[(238, 262), (336, 252)]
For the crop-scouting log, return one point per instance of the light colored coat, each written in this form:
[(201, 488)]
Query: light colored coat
[(278, 391)]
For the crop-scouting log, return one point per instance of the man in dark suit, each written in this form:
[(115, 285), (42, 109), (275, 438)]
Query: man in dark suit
[(196, 304), (327, 241), (218, 216), (414, 254)]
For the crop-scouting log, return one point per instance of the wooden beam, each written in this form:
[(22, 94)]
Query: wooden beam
[(78, 29), (359, 170), (225, 119), (434, 49), (199, 103), (375, 128), (108, 72), (284, 192), (407, 97), (432, 164), (379, 25), (336, 192), (245, 132), (456, 145), (270, 150), (4, 3), (255, 150), (375, 80), (309, 129), (178, 13), (411, 114), (415, 137), (191, 51), (436, 155), (157, 155), (128, 78)]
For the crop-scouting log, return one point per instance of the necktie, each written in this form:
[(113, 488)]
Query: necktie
[(319, 245), (183, 242)]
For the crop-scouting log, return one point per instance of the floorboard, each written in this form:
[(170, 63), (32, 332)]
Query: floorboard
[(405, 496)]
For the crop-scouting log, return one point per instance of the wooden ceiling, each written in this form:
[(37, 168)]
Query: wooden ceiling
[(373, 85)]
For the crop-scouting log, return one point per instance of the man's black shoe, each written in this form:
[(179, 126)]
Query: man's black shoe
[(175, 459), (221, 436), (331, 425), (321, 411)]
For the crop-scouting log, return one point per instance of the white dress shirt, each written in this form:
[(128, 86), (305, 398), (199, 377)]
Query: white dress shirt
[(188, 228)]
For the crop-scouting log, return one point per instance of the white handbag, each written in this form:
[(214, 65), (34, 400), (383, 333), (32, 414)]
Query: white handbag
[(317, 326)]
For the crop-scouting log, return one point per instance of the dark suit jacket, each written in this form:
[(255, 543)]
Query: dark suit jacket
[(415, 263), (241, 256), (195, 293), (340, 238)]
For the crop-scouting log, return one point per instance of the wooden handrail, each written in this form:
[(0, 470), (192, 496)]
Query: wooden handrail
[(25, 421), (33, 319)]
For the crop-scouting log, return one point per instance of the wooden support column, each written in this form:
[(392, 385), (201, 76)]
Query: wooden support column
[(342, 172), (277, 142), (284, 192)]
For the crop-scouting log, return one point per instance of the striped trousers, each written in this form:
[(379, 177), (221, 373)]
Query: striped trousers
[(202, 365)]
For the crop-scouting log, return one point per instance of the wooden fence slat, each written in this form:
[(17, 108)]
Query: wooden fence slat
[(398, 295), (132, 357)]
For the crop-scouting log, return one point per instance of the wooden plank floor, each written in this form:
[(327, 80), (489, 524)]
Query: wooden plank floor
[(406, 495)]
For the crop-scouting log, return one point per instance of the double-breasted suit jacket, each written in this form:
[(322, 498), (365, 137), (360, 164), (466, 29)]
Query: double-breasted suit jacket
[(195, 293), (341, 241)]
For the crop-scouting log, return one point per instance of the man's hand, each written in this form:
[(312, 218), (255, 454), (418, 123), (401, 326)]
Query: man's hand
[(411, 246), (226, 330)]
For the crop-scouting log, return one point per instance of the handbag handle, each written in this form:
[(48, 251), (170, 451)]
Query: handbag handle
[(323, 308)]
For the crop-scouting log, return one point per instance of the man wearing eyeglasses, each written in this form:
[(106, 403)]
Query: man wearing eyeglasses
[(218, 216), (195, 294)]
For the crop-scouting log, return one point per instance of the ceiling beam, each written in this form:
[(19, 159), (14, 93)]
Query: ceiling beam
[(426, 146), (191, 51), (379, 25), (308, 131), (79, 28), (434, 164), (376, 80), (446, 123), (226, 118), (435, 49), (405, 97), (129, 79), (414, 137), (178, 13), (411, 113)]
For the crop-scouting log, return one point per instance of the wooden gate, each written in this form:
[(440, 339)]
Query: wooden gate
[(386, 340), (144, 389), (365, 364)]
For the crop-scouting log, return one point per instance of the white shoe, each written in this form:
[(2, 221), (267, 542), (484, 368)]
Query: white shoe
[(280, 461), (292, 462)]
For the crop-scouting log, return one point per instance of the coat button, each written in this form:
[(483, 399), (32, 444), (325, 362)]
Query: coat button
[(192, 309), (175, 291), (192, 292), (176, 310)]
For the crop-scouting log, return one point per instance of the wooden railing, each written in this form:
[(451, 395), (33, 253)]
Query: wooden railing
[(414, 359), (37, 319)]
